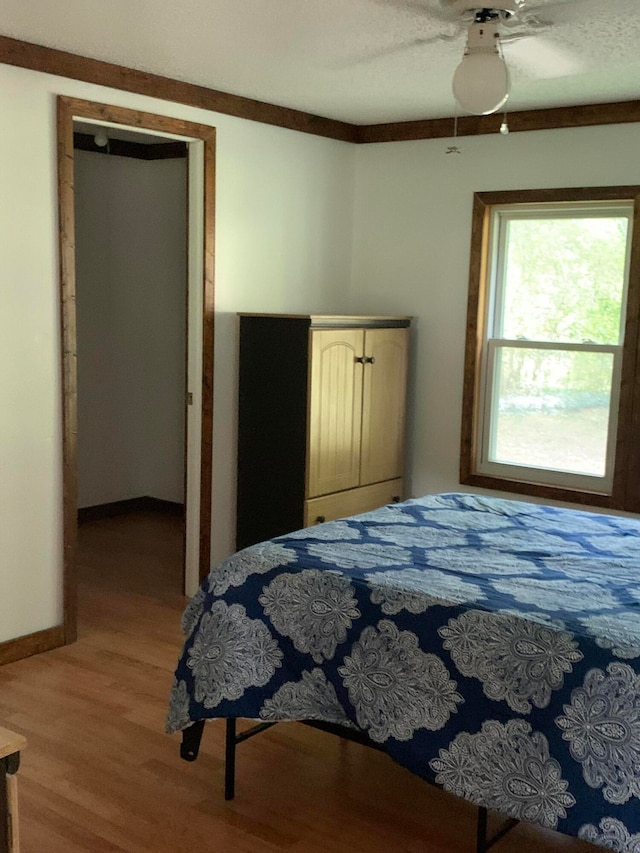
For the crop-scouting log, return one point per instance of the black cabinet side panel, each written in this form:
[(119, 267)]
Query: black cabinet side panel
[(271, 427)]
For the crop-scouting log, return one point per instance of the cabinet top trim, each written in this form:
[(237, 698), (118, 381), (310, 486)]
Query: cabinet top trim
[(317, 321)]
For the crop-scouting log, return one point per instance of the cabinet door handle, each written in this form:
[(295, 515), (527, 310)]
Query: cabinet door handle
[(369, 359), (360, 359)]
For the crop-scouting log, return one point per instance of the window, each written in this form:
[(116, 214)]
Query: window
[(552, 377)]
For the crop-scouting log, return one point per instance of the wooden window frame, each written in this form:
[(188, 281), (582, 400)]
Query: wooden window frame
[(625, 490)]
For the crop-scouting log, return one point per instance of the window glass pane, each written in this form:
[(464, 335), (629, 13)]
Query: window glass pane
[(564, 279), (551, 409)]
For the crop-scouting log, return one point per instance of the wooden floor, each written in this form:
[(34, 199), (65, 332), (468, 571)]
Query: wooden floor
[(99, 774)]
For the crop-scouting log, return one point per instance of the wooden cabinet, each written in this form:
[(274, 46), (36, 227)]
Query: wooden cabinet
[(321, 427)]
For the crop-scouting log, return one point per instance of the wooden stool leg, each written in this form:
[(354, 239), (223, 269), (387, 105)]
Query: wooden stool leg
[(4, 810), (12, 808), (10, 746)]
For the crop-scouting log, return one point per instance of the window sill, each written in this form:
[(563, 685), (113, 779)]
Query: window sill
[(538, 490)]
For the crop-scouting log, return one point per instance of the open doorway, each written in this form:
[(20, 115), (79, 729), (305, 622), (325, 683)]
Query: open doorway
[(136, 457), (130, 198)]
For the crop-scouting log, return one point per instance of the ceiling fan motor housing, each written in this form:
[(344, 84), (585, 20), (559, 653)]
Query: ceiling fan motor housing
[(499, 9), (483, 38)]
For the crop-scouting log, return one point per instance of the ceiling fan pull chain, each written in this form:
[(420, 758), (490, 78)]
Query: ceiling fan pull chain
[(454, 149), (504, 127)]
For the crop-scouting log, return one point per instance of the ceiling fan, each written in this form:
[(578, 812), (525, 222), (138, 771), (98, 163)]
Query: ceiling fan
[(481, 83)]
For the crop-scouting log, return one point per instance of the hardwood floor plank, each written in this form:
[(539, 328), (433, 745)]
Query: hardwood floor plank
[(100, 775)]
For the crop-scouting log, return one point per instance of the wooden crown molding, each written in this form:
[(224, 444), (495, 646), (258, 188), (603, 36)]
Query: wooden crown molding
[(588, 115), (51, 61), (48, 60)]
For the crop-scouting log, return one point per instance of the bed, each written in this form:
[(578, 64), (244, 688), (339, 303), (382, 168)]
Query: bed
[(491, 647)]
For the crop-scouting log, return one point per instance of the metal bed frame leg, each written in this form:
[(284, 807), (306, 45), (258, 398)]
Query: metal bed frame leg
[(482, 842), (191, 738), (232, 740), (481, 830), (230, 760), (191, 744)]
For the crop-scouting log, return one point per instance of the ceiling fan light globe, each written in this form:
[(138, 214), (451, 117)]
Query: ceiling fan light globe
[(481, 83)]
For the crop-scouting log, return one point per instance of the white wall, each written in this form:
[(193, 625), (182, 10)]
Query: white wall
[(131, 286), (283, 243), (411, 251)]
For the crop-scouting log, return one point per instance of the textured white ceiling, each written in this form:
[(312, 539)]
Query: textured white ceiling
[(360, 61)]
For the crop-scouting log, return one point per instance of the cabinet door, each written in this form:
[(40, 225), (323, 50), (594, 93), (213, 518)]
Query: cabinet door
[(335, 410), (384, 404)]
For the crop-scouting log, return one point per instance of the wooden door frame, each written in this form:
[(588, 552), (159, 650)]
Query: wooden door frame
[(69, 109)]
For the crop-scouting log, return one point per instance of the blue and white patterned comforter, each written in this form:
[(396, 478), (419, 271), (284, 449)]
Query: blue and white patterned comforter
[(491, 646)]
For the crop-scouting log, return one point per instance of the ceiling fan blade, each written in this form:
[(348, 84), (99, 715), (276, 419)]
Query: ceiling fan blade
[(574, 11), (539, 57), (436, 10), (419, 41)]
